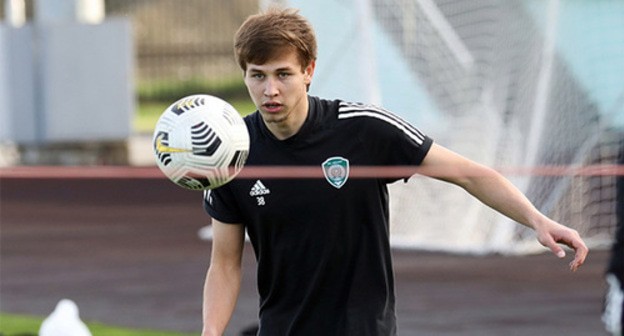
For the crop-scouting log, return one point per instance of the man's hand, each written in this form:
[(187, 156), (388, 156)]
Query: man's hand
[(551, 234)]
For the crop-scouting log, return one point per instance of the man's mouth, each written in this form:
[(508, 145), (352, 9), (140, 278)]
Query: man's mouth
[(272, 107)]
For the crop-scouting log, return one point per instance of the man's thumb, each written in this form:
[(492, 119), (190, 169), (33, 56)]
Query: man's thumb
[(554, 247)]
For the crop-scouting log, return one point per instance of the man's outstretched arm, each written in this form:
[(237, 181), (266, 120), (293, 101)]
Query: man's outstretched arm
[(500, 194)]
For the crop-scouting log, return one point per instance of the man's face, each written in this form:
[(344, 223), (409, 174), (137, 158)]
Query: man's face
[(278, 88)]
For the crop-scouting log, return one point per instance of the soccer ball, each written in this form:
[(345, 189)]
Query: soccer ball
[(200, 142)]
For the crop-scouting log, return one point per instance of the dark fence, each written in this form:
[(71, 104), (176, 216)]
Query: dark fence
[(180, 45), (184, 45)]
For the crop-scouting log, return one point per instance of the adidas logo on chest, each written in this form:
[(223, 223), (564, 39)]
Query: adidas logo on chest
[(259, 189)]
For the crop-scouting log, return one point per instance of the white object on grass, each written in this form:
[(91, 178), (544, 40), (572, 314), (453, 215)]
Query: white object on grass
[(64, 321)]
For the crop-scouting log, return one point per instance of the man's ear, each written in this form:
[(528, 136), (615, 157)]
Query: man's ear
[(308, 72)]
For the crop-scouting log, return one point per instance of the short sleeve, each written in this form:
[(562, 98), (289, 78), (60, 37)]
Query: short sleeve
[(389, 139), (220, 204), (407, 150)]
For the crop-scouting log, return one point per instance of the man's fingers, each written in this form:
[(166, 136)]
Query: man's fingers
[(579, 257), (574, 242), (557, 250), (550, 243)]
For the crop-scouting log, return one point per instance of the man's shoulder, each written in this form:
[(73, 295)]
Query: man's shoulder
[(253, 122), (375, 122), (367, 116), (342, 111), (251, 118), (324, 107)]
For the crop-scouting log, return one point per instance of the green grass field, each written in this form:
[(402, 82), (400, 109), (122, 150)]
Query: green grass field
[(21, 325)]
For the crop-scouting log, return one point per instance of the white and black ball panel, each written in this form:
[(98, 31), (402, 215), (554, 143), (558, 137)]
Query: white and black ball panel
[(201, 142)]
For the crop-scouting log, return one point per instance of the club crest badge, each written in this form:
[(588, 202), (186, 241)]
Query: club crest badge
[(336, 170)]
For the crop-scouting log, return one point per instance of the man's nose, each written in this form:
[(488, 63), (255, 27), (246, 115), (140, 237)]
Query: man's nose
[(270, 88)]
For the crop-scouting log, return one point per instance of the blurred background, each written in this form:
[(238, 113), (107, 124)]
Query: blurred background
[(533, 88), (529, 87), (87, 76)]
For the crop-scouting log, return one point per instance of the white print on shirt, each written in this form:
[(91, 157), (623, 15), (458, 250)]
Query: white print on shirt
[(259, 189)]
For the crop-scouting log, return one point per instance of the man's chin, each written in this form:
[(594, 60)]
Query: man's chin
[(273, 118)]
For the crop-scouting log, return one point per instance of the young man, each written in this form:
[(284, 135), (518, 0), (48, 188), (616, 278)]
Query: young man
[(322, 245)]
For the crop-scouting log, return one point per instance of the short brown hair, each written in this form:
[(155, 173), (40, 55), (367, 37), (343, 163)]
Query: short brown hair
[(264, 35)]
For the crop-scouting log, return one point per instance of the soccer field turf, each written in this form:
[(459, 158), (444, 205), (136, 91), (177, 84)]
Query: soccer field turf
[(11, 324)]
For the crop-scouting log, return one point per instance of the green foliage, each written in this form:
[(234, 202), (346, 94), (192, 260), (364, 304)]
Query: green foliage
[(172, 90), (148, 113), (155, 96), (21, 325)]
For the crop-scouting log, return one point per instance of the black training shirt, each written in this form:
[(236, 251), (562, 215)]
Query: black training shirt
[(322, 244)]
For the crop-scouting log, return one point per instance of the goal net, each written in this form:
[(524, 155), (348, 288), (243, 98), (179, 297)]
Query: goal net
[(531, 87), (512, 79)]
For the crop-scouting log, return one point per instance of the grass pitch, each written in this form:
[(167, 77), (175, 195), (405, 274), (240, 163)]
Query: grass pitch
[(22, 325)]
